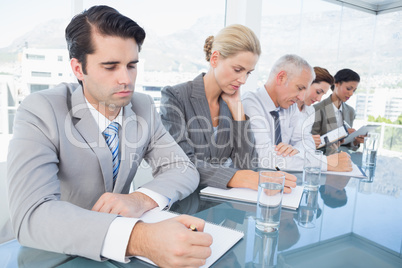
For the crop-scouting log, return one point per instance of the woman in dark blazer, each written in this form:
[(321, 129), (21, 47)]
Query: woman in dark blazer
[(332, 112), (206, 117)]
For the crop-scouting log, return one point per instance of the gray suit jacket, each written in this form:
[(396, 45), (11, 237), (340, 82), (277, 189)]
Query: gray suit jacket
[(185, 114), (59, 165), (325, 119)]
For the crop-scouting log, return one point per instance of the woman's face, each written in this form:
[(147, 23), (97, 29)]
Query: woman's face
[(345, 90), (232, 72), (315, 92)]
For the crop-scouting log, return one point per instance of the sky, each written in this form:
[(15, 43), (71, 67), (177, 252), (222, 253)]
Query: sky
[(164, 17)]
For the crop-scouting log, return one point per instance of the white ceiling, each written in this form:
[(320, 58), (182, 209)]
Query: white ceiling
[(371, 6)]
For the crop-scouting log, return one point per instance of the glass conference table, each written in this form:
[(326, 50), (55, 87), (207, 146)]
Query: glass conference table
[(349, 222)]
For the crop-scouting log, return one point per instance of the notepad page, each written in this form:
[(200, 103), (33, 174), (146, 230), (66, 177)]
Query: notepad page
[(223, 238), (290, 201), (356, 172)]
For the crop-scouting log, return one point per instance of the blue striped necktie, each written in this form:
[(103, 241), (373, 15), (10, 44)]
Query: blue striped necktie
[(278, 135), (112, 139)]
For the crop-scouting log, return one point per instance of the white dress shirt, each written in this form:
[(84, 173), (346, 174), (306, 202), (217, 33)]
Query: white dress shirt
[(303, 131), (116, 240), (258, 105), (338, 115)]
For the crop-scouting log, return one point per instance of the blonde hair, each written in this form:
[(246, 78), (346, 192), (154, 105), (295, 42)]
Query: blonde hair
[(231, 40)]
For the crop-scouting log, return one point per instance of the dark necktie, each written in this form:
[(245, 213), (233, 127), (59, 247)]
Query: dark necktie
[(112, 139), (278, 136)]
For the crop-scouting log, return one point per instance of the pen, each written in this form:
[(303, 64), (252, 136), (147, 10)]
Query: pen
[(277, 169), (193, 228), (346, 124)]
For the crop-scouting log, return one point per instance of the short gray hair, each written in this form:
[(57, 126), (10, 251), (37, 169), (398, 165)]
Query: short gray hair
[(292, 64)]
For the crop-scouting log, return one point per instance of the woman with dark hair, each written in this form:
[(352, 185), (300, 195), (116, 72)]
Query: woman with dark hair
[(333, 112), (318, 88)]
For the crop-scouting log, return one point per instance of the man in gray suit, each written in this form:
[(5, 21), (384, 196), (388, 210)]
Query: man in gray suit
[(76, 149)]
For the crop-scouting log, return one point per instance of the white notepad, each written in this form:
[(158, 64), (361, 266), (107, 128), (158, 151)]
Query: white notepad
[(223, 238), (333, 136), (290, 201), (356, 172)]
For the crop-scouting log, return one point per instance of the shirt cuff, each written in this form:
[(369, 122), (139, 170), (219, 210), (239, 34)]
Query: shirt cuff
[(161, 200), (324, 166), (116, 240)]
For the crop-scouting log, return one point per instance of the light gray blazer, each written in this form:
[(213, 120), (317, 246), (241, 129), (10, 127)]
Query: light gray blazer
[(325, 119), (185, 114), (59, 165)]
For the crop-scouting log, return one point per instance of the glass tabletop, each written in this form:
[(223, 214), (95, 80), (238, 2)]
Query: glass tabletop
[(348, 222)]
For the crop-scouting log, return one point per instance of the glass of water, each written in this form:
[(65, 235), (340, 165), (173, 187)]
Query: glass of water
[(312, 169), (370, 147), (269, 202)]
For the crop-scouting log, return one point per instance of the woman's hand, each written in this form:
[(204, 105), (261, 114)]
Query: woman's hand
[(317, 140), (235, 105)]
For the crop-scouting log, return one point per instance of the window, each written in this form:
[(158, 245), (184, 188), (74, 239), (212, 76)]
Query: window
[(41, 74), (35, 88), (35, 57)]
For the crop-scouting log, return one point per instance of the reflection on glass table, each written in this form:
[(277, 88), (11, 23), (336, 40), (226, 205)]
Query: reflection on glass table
[(348, 222)]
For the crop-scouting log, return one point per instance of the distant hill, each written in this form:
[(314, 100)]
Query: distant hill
[(317, 41)]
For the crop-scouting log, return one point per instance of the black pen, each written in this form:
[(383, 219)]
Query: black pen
[(193, 228), (277, 169)]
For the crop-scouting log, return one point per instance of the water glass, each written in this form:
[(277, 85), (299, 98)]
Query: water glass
[(269, 201), (370, 147), (312, 169), (307, 212)]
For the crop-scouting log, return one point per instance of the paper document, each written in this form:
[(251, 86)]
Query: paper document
[(356, 172), (290, 201), (223, 238), (361, 131), (333, 136)]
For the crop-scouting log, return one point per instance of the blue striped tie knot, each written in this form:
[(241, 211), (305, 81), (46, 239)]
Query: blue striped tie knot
[(112, 140)]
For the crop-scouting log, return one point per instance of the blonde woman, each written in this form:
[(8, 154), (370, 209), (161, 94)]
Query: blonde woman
[(206, 116)]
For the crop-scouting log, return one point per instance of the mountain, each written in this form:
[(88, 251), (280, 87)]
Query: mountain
[(315, 36)]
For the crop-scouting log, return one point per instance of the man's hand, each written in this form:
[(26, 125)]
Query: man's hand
[(290, 182), (127, 205), (285, 149), (317, 140), (170, 243), (249, 179), (339, 162)]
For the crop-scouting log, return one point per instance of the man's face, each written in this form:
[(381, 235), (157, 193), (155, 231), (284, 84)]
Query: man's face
[(294, 89), (111, 73)]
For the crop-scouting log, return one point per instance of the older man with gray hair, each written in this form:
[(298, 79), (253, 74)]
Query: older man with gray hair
[(274, 115)]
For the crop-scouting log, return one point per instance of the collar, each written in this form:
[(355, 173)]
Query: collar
[(336, 108), (101, 120), (264, 97)]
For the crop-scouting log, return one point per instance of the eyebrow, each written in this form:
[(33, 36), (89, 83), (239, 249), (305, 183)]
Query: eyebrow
[(241, 67), (117, 62)]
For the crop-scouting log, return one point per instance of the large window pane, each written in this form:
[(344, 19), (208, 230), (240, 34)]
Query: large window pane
[(176, 30), (33, 53)]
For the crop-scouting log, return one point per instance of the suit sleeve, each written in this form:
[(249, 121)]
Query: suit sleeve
[(173, 117), (244, 154), (40, 218), (316, 128), (175, 176)]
